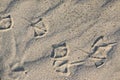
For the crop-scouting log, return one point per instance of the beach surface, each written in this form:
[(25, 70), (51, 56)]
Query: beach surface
[(59, 39)]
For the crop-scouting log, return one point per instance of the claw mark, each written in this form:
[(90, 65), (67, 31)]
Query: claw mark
[(6, 23)]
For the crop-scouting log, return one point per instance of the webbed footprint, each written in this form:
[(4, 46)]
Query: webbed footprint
[(40, 29), (60, 61), (59, 51), (103, 50), (101, 53)]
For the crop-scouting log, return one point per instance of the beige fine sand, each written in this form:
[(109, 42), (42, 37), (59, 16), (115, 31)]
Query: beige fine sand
[(59, 39)]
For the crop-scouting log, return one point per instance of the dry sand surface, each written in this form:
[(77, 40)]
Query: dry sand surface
[(59, 39)]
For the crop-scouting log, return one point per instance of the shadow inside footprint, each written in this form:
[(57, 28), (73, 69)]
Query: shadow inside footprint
[(65, 70), (59, 50), (18, 69), (62, 69), (40, 28), (5, 22), (102, 52), (100, 63), (58, 63), (39, 32)]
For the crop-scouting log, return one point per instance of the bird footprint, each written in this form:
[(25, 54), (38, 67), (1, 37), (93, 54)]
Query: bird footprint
[(40, 28), (5, 23)]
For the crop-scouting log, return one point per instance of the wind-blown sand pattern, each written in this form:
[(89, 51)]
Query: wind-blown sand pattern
[(59, 39)]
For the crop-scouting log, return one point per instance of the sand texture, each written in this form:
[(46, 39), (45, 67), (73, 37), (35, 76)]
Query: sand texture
[(59, 39)]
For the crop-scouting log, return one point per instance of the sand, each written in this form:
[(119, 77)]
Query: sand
[(59, 39)]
